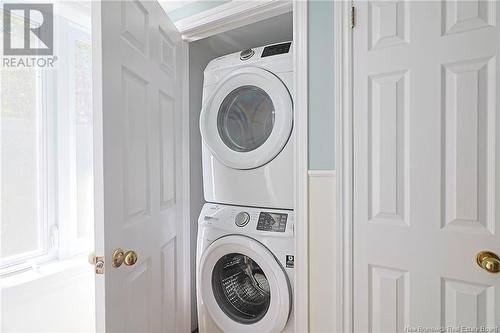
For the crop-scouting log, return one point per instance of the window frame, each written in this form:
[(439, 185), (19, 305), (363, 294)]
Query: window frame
[(45, 214), (57, 237), (69, 245)]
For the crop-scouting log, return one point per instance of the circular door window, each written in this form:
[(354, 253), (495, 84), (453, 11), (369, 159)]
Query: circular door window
[(241, 288), (246, 118)]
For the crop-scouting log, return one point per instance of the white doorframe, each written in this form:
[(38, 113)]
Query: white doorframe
[(100, 317), (301, 112), (185, 221), (344, 162), (300, 30), (300, 26)]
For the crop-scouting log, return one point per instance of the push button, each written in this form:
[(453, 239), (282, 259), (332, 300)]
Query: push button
[(242, 219)]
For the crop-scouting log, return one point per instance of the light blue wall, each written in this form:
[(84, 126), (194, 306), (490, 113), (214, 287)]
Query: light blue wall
[(321, 102), (194, 8)]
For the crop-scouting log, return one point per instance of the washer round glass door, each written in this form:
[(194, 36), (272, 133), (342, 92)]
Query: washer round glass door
[(243, 286), (248, 119)]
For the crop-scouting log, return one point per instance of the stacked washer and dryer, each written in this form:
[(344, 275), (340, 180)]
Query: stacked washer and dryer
[(245, 249)]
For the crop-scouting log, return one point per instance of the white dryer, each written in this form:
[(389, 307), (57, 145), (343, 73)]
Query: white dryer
[(246, 126), (244, 269)]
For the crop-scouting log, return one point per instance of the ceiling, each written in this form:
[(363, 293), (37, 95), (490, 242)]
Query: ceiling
[(274, 30)]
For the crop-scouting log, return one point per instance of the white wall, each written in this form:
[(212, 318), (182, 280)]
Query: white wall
[(53, 300), (322, 248)]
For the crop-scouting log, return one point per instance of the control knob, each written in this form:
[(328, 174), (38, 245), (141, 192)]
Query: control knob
[(246, 54)]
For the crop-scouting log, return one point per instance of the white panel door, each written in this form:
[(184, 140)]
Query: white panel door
[(137, 61), (426, 164)]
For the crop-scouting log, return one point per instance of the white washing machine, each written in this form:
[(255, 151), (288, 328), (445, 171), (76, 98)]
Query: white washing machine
[(246, 126), (244, 271)]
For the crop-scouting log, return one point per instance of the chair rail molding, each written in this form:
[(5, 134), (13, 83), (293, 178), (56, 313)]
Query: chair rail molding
[(231, 15), (322, 173)]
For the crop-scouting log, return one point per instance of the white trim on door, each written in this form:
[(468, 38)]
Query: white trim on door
[(231, 15), (344, 159), (185, 222), (301, 301), (100, 314)]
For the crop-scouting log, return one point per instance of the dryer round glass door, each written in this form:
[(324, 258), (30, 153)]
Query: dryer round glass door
[(248, 119), (243, 286)]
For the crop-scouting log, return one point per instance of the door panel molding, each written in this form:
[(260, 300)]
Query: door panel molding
[(468, 110), (461, 16), (462, 302), (388, 114), (389, 299)]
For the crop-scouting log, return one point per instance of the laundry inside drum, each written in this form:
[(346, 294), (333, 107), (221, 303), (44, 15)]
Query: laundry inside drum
[(241, 288)]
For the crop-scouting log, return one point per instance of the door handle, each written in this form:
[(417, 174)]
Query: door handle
[(488, 261), (129, 258)]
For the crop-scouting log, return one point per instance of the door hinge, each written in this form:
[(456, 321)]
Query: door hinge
[(353, 17)]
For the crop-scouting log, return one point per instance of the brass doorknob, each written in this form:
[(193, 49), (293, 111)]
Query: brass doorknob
[(129, 258), (488, 261)]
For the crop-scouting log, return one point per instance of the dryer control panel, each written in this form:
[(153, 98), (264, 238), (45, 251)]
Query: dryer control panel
[(276, 49), (272, 222)]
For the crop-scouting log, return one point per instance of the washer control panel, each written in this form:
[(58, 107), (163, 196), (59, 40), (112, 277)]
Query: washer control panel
[(272, 222), (248, 220), (242, 219)]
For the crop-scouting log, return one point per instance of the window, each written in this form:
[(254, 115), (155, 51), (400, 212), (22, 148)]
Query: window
[(46, 155), (24, 210)]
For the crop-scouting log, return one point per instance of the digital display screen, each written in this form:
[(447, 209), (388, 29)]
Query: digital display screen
[(272, 222), (276, 49)]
